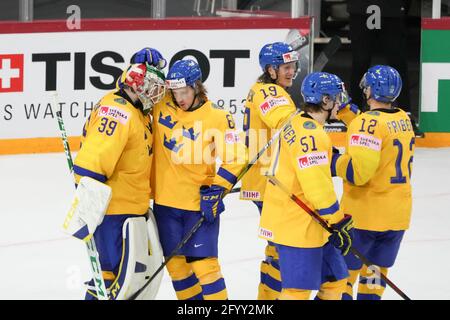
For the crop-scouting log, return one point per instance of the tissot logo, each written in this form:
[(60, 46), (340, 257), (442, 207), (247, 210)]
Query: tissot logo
[(11, 72)]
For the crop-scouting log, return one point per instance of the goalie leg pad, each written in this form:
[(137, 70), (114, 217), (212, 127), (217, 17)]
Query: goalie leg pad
[(87, 209), (137, 264), (156, 258), (108, 238)]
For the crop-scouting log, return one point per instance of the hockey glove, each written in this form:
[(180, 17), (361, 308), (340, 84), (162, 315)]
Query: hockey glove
[(348, 102), (151, 56), (342, 234), (211, 203)]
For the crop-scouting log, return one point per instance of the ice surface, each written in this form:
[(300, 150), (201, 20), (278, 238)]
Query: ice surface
[(37, 261)]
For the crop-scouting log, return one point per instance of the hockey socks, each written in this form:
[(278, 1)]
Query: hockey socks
[(211, 280), (371, 286), (185, 282), (331, 290), (348, 294), (270, 285)]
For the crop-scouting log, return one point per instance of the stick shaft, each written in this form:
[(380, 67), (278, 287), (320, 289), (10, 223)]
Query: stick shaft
[(94, 260)]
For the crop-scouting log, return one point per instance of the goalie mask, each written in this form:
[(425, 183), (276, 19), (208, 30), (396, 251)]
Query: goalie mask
[(147, 82)]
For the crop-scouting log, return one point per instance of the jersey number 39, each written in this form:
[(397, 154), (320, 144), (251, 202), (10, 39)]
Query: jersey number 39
[(108, 126)]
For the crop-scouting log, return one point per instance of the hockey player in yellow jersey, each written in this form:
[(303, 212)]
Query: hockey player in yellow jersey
[(189, 133), (376, 169), (116, 150), (267, 108), (308, 255)]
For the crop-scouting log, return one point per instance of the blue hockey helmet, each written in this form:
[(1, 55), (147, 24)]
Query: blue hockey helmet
[(275, 54), (384, 82), (319, 84), (183, 73)]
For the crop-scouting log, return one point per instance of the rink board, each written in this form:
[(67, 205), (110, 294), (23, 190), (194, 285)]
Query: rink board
[(435, 75), (45, 67)]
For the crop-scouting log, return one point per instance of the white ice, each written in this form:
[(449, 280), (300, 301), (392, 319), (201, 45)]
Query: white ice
[(37, 261)]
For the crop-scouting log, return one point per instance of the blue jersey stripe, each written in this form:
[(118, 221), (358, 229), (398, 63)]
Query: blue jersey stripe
[(350, 173), (88, 173), (227, 175), (334, 160), (330, 210)]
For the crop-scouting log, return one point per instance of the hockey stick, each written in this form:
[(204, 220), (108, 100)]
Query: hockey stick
[(318, 219), (330, 49), (94, 260), (235, 190), (200, 221)]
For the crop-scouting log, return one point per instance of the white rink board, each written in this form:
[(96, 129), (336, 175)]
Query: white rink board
[(28, 114)]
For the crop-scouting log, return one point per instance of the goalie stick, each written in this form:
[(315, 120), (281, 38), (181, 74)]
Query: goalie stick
[(94, 260), (273, 180), (200, 221)]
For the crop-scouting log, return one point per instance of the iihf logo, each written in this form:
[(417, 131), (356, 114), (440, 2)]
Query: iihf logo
[(11, 72)]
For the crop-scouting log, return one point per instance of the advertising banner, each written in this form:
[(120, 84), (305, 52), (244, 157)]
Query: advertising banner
[(43, 72), (435, 76)]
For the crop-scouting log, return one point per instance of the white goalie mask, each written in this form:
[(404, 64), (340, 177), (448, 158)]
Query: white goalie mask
[(153, 89), (148, 83)]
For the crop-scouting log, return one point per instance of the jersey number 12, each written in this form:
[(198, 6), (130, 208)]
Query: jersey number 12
[(399, 177)]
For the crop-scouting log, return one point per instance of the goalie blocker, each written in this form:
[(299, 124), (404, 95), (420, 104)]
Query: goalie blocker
[(130, 251)]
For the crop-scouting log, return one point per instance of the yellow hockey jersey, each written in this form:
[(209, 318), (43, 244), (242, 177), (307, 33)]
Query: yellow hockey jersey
[(376, 169), (186, 145), (302, 165), (348, 113), (116, 149), (267, 108)]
